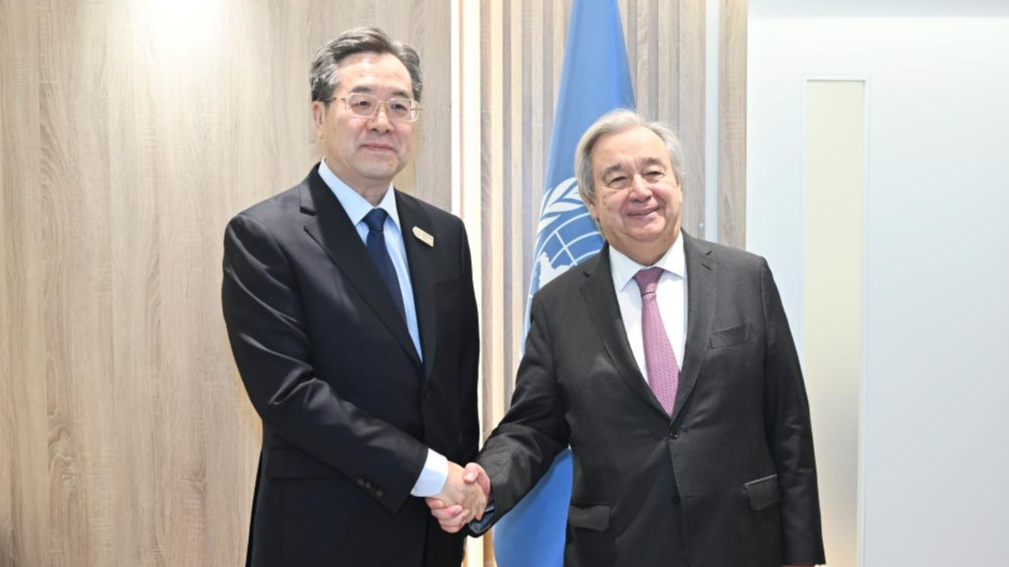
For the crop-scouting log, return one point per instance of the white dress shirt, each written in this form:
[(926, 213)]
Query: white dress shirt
[(435, 473), (671, 295)]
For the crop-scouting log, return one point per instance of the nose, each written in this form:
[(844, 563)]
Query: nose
[(640, 189), (380, 120)]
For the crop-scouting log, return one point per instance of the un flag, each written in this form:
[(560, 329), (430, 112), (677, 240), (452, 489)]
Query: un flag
[(567, 235)]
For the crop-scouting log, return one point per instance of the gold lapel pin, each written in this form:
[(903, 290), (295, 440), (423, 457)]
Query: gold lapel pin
[(423, 236)]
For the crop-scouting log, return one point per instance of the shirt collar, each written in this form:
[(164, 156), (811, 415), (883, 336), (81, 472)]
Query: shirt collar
[(352, 201), (624, 269)]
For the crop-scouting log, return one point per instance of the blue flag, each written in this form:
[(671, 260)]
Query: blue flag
[(595, 80)]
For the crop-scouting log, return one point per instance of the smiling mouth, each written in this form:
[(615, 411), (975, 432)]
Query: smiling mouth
[(641, 214), (378, 148)]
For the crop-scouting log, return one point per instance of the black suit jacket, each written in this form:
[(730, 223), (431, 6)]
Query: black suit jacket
[(349, 411), (733, 466)]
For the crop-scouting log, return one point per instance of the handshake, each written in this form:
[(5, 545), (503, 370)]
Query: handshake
[(463, 499)]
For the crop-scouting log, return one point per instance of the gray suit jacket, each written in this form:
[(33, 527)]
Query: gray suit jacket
[(734, 465)]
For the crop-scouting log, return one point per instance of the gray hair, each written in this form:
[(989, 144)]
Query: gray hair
[(324, 77), (615, 122)]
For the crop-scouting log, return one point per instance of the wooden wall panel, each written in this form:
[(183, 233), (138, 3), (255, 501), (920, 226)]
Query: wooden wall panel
[(688, 108), (491, 194), (24, 494), (732, 123), (130, 132)]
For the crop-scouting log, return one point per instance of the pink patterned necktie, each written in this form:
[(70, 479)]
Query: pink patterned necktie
[(660, 360)]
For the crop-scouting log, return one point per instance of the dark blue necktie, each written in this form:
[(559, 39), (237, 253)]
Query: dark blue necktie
[(376, 245)]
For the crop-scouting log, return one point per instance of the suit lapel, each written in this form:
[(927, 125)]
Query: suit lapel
[(601, 301), (422, 261), (330, 227), (702, 292)]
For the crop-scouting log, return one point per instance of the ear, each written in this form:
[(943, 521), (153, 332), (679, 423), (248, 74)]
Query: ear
[(318, 116), (592, 209)]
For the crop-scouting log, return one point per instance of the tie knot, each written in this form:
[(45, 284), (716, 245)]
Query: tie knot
[(375, 219), (648, 279)]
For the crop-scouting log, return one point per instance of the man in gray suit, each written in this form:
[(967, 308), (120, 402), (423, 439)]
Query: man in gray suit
[(667, 364)]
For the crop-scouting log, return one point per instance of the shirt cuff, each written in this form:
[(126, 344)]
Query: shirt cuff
[(433, 476)]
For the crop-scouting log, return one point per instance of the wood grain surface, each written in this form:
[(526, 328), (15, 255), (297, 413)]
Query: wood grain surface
[(732, 123)]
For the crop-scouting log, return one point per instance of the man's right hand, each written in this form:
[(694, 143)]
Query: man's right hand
[(463, 499)]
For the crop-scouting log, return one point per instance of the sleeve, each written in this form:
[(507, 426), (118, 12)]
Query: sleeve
[(265, 319), (789, 433), (469, 357), (534, 431)]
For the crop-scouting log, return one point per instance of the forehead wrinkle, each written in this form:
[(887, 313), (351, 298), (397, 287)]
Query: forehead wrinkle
[(651, 160)]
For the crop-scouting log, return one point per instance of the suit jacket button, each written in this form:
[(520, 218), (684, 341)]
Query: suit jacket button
[(379, 492), (426, 394), (674, 433), (360, 482)]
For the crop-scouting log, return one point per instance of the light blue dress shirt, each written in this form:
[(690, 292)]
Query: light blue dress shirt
[(435, 472)]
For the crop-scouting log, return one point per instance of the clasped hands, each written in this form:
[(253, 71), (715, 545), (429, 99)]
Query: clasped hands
[(463, 499)]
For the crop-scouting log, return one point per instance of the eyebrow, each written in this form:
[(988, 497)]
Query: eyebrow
[(611, 169), (369, 90), (618, 168)]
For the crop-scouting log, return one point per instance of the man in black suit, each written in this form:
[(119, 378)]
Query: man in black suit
[(667, 364), (352, 318)]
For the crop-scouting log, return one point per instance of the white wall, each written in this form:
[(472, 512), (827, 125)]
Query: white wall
[(935, 403)]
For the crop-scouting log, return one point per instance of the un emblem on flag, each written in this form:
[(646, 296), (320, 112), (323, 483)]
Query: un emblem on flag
[(566, 235)]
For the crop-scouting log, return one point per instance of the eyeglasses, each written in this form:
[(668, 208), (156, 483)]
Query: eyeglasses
[(396, 109)]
